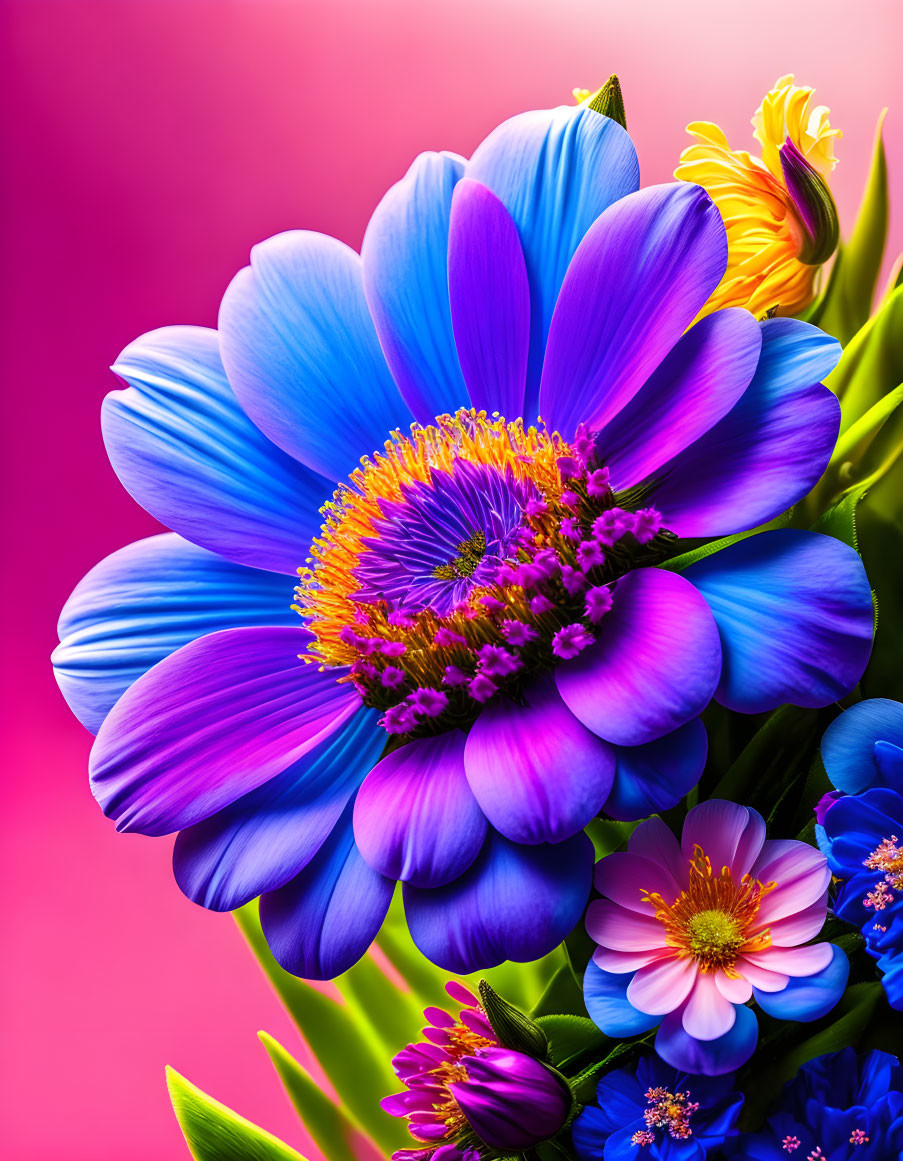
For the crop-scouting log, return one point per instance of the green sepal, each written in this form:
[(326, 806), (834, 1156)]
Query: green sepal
[(571, 1038), (847, 300), (609, 101), (331, 1125), (215, 1133), (513, 1028)]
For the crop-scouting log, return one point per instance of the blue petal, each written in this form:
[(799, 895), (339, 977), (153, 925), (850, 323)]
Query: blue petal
[(656, 776), (405, 268), (145, 601), (186, 451), (416, 818), (515, 902), (708, 1057), (808, 997), (302, 355), (555, 170), (321, 922), (794, 611), (769, 450), (268, 836), (848, 747), (605, 996), (589, 1133)]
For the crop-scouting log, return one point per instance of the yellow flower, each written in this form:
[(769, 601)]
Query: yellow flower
[(779, 215)]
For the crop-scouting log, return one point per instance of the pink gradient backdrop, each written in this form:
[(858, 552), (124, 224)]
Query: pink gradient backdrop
[(148, 145)]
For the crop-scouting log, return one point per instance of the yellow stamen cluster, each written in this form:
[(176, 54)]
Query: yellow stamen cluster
[(766, 236), (714, 921)]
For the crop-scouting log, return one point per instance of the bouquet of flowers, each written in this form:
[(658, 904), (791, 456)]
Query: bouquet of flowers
[(590, 499)]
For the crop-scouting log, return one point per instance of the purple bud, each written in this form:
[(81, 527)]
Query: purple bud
[(510, 1100), (824, 804)]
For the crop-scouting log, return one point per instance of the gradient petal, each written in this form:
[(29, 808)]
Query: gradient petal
[(707, 1057), (849, 746), (415, 818), (657, 776), (731, 835), (695, 385), (183, 447), (707, 1014), (655, 666), (555, 170), (634, 285), (298, 344), (808, 997), (605, 996), (145, 601), (515, 902), (265, 838), (405, 268), (621, 929), (537, 773), (794, 611), (210, 723), (800, 871), (769, 450), (490, 299), (625, 877), (321, 922), (662, 986)]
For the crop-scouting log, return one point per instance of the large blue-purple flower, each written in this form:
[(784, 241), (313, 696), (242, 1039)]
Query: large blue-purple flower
[(482, 590), (838, 1107), (861, 830)]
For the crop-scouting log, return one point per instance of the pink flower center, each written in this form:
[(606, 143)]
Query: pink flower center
[(887, 857), (671, 1111)]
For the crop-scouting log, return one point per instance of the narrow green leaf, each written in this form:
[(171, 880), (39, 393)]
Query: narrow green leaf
[(847, 301), (679, 563), (778, 753), (331, 1126), (872, 363), (390, 1015), (563, 994), (215, 1133), (571, 1037)]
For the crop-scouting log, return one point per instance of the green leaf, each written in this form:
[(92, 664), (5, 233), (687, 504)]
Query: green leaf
[(215, 1133), (331, 1125), (847, 301), (563, 993), (571, 1037), (840, 519), (872, 363), (679, 563)]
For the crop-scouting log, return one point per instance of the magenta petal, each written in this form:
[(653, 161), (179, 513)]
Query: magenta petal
[(624, 877), (654, 840), (538, 773), (695, 385), (801, 925), (731, 835), (490, 299), (209, 723), (801, 873), (663, 986), (619, 929), (415, 817), (655, 665), (793, 961), (637, 280)]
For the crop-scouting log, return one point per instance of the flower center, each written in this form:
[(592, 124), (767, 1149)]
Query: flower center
[(464, 558), (887, 857), (462, 1041), (666, 1110), (714, 920)]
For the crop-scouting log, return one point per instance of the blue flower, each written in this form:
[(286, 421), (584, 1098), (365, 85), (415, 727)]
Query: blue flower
[(861, 831), (838, 1107), (480, 590), (657, 1113)]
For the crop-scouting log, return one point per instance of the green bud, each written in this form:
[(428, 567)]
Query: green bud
[(609, 101), (513, 1028)]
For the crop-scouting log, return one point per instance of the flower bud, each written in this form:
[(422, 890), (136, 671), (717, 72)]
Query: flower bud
[(510, 1100)]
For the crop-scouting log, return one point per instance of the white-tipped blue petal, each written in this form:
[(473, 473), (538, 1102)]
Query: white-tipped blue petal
[(186, 451), (405, 267), (145, 601), (301, 353), (555, 170)]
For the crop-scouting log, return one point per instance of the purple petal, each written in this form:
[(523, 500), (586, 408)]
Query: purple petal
[(210, 723), (320, 923), (537, 773), (415, 818), (265, 838), (555, 170), (707, 1057), (695, 385), (145, 601), (794, 611), (655, 665), (184, 448), (515, 902), (635, 284), (769, 450), (490, 299), (405, 269), (298, 343), (656, 776)]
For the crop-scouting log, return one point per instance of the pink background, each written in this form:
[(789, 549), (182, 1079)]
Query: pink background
[(147, 146)]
